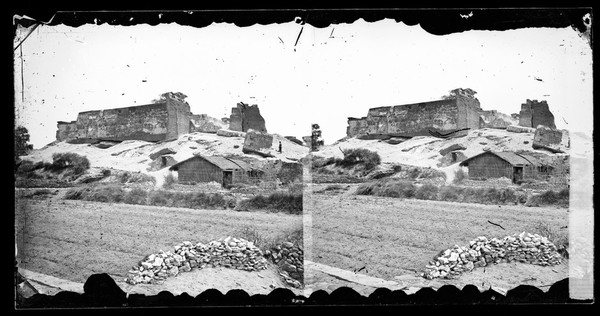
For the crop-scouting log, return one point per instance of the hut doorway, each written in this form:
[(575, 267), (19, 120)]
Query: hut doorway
[(517, 174), (227, 178)]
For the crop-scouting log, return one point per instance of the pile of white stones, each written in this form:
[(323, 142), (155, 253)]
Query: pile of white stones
[(290, 260), (524, 247), (235, 253)]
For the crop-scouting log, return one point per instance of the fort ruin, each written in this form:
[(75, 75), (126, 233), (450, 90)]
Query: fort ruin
[(418, 119), (165, 119), (450, 116)]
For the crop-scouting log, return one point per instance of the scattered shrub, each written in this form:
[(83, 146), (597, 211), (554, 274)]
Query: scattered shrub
[(550, 197), (159, 198), (75, 193), (108, 193), (294, 235), (26, 166), (414, 173), (334, 187), (427, 192), (449, 193), (168, 181), (105, 193), (135, 196), (278, 201), (367, 188), (559, 238), (251, 234), (77, 163), (354, 156), (396, 168), (135, 177), (430, 173), (459, 176)]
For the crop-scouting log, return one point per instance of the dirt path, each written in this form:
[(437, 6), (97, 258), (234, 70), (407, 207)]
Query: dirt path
[(74, 239)]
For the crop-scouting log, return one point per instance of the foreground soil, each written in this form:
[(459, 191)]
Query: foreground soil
[(500, 277), (75, 239), (393, 239)]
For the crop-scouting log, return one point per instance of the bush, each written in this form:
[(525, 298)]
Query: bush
[(366, 189), (108, 193), (558, 238), (354, 156), (388, 188), (294, 235), (278, 201), (105, 193), (427, 192), (168, 181), (429, 173), (251, 234), (75, 193), (550, 197), (449, 193), (135, 177), (319, 162), (136, 196), (414, 173), (26, 166), (459, 176), (77, 163), (159, 198)]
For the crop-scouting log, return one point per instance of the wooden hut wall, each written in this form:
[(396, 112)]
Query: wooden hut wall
[(489, 166), (239, 176), (199, 170)]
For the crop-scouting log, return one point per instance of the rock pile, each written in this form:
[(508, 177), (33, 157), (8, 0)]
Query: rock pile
[(290, 260), (235, 253), (524, 247)]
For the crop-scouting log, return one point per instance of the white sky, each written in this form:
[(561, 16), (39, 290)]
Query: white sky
[(321, 80)]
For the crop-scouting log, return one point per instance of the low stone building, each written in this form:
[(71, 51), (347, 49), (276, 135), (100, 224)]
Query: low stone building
[(203, 169), (517, 167)]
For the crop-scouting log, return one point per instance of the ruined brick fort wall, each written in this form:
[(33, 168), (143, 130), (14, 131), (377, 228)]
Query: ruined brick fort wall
[(419, 118), (534, 113), (244, 117), (150, 122), (178, 118)]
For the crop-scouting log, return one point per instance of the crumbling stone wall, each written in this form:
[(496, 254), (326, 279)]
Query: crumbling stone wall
[(178, 118), (551, 139), (145, 122), (151, 122), (257, 142), (495, 119), (534, 113), (357, 126), (244, 117), (418, 119), (205, 124), (66, 130)]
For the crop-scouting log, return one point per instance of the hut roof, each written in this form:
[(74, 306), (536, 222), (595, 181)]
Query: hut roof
[(508, 156), (243, 165), (221, 162)]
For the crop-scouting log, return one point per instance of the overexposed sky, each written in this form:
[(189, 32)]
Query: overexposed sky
[(331, 73)]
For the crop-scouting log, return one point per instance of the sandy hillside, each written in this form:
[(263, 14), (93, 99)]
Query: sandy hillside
[(132, 155), (423, 151)]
